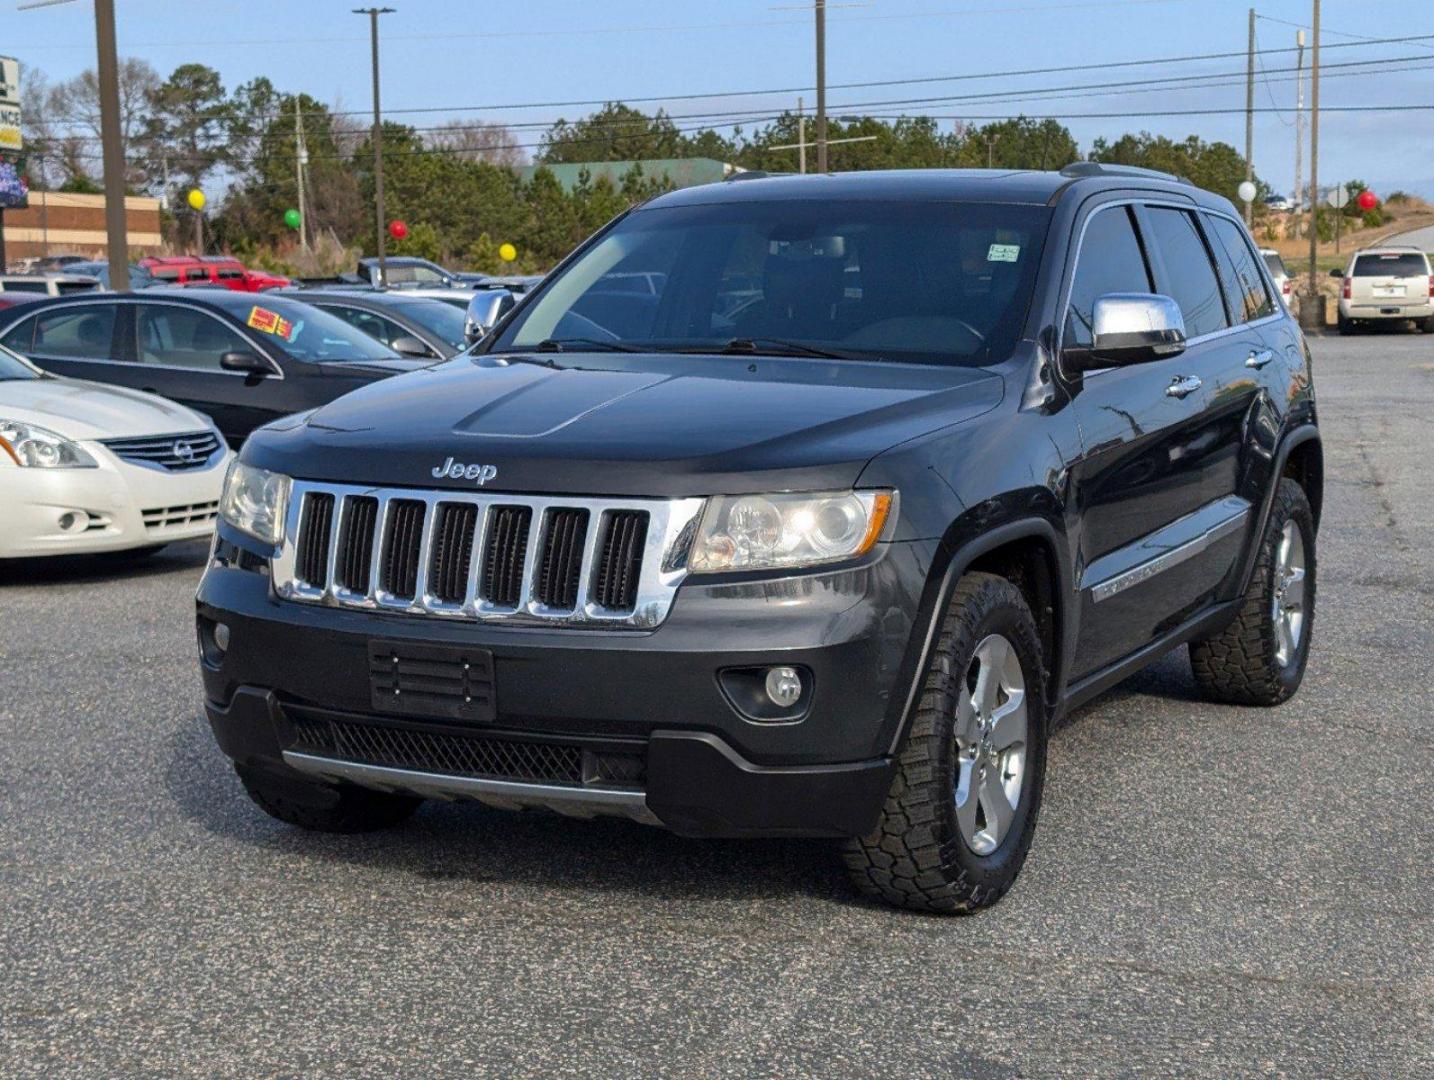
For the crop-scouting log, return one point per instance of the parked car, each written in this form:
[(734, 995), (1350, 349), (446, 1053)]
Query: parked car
[(409, 271), (1387, 284), (88, 468), (1278, 274), (210, 270), (409, 325), (139, 277), (48, 284), (830, 568), (244, 360)]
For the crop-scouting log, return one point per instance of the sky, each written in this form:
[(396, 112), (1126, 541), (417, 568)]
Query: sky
[(480, 61)]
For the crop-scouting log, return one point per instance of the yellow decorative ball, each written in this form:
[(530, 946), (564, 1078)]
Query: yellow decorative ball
[(196, 199), (507, 252)]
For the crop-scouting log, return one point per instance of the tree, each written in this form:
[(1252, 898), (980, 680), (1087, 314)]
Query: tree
[(62, 125), (1216, 166), (189, 125), (616, 132), (1019, 143), (478, 140)]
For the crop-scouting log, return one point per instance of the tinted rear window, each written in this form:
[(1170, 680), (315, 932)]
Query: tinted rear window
[(1275, 265), (1390, 266)]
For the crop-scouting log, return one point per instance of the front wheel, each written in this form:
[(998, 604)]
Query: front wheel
[(1259, 659), (959, 818)]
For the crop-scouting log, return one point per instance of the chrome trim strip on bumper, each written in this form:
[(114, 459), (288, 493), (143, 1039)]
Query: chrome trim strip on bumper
[(504, 794), (668, 519), (1104, 590)]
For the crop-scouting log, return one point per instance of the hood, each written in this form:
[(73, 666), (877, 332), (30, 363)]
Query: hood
[(627, 424), (84, 410)]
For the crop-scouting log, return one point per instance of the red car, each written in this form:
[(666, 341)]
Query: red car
[(210, 270)]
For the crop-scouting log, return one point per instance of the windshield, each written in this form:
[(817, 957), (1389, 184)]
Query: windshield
[(306, 333), (1411, 265), (13, 367), (862, 279), (444, 321)]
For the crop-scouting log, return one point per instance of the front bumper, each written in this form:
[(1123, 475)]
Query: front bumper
[(110, 508), (639, 720)]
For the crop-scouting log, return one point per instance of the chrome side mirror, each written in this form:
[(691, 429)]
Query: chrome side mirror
[(1131, 328), (408, 345), (484, 311)]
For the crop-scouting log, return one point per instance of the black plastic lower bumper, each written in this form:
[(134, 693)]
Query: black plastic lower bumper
[(691, 782)]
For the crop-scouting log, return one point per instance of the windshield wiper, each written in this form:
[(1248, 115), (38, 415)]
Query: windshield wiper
[(779, 347), (561, 345)]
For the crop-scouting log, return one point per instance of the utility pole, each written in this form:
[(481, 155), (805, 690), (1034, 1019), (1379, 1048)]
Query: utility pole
[(801, 137), (1250, 116), (112, 143), (373, 13), (1316, 314), (821, 85), (1299, 117), (301, 159), (991, 150)]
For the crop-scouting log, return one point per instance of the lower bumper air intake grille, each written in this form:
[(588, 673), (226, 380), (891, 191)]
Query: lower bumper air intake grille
[(451, 754)]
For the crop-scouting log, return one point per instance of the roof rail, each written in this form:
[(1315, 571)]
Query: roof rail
[(1077, 169)]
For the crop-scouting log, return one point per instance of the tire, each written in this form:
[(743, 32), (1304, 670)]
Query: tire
[(324, 808), (920, 855), (1346, 327), (1253, 661), (1427, 325)]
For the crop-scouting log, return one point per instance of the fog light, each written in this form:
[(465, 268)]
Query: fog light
[(221, 637), (73, 521), (784, 686)]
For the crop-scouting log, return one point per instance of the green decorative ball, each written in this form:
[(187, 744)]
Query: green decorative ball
[(291, 218)]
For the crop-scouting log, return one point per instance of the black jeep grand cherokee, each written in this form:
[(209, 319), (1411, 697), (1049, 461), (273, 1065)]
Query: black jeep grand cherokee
[(814, 533)]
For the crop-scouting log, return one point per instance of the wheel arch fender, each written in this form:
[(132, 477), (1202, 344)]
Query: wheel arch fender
[(1302, 448), (959, 552)]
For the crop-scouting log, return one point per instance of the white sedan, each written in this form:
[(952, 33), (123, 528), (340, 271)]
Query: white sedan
[(91, 468)]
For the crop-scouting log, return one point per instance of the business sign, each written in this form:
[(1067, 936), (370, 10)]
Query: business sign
[(10, 138)]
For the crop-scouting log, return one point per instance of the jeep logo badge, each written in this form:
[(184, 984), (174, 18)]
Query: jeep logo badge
[(456, 470)]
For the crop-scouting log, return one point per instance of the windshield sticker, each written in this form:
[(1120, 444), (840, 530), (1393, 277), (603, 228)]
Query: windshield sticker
[(271, 322), (1003, 253)]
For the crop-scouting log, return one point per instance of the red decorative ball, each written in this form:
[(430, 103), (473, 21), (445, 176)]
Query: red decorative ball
[(397, 229), (1367, 200)]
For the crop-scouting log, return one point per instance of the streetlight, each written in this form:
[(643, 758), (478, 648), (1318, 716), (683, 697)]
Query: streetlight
[(373, 13)]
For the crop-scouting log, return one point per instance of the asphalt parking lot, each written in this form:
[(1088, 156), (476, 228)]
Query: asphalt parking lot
[(1212, 891)]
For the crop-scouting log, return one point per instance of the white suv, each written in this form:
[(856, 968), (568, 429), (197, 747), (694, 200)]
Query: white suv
[(1389, 283)]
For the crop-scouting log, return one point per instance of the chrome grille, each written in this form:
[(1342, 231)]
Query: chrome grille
[(537, 560), (167, 517), (177, 453)]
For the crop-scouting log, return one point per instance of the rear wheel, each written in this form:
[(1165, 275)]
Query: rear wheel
[(1346, 326), (1259, 659), (1427, 325), (323, 807), (961, 812)]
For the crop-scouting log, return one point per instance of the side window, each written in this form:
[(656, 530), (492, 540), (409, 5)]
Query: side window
[(1239, 273), (1193, 284), (20, 336), (183, 337), (39, 285), (84, 332), (166, 273), (371, 324), (1110, 261)]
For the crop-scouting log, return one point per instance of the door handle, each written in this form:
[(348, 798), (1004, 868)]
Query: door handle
[(1183, 386), (1259, 359)]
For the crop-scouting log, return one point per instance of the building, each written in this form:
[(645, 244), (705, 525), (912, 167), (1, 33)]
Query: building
[(57, 222), (680, 172)]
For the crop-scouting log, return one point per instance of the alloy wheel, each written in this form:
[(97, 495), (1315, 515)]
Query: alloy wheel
[(1289, 599), (991, 731)]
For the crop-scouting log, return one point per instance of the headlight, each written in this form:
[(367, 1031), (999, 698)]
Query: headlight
[(33, 447), (763, 532), (254, 501)]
